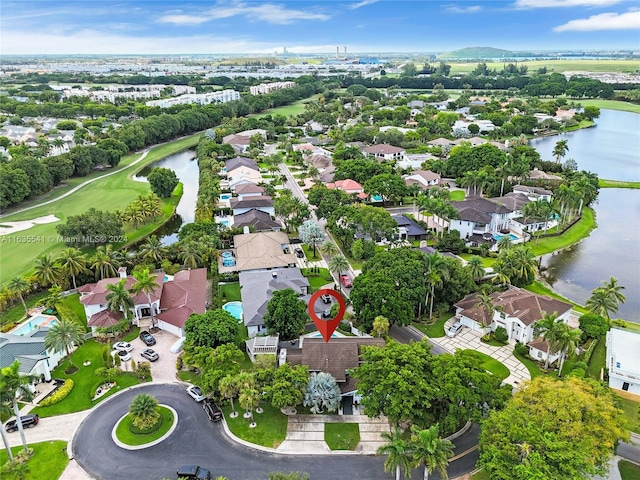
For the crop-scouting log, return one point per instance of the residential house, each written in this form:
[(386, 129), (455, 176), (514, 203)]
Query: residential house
[(623, 360), (245, 190), (423, 178), (384, 152), (408, 229), (257, 221), (414, 161), (17, 134), (319, 161), (348, 186), (415, 104), (241, 175), (261, 251), (237, 162), (479, 216), (185, 294), (541, 177), (30, 351), (441, 142), (257, 287), (243, 204), (516, 310)]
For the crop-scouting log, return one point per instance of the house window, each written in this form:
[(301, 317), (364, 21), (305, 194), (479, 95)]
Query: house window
[(625, 386), (539, 354)]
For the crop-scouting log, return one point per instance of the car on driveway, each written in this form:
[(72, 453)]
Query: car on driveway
[(147, 338), (193, 472), (150, 354), (299, 252), (326, 298), (212, 410), (454, 329), (123, 346), (124, 355), (326, 314), (346, 281), (195, 393), (28, 421)]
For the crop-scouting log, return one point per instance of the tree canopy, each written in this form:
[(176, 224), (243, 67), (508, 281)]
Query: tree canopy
[(211, 328), (162, 181), (286, 314)]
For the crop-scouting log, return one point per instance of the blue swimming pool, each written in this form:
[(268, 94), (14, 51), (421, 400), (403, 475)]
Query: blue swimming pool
[(34, 323), (376, 198), (511, 236), (225, 196), (235, 309)]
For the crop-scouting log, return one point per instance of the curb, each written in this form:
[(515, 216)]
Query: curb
[(146, 445)]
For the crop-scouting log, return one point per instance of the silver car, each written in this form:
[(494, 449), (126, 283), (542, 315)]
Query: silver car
[(454, 329)]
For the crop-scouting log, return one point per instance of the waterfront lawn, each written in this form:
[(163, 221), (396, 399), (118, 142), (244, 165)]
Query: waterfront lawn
[(270, 431), (85, 380), (628, 470), (126, 436), (48, 461), (342, 436), (611, 105), (603, 183), (577, 232), (230, 292), (597, 360)]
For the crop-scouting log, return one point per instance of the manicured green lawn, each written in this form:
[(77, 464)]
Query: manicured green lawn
[(270, 431), (617, 184), (494, 366), (486, 261), (435, 329), (48, 461), (125, 435), (319, 278), (16, 312), (598, 359), (457, 195), (230, 291), (286, 110), (308, 251), (534, 369), (612, 105), (628, 470), (631, 411), (72, 302), (84, 380), (576, 233), (342, 436), (110, 193), (189, 376), (481, 475)]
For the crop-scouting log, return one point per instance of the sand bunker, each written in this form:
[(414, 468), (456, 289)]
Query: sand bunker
[(13, 227)]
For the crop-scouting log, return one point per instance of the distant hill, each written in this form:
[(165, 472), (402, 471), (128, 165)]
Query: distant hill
[(479, 52)]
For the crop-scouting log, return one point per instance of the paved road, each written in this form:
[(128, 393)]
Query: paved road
[(408, 334), (196, 440)]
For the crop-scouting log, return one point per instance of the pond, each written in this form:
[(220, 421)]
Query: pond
[(186, 167)]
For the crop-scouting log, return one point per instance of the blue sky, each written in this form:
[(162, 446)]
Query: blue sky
[(236, 26)]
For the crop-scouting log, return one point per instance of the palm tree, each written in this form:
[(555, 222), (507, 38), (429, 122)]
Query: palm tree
[(399, 454), (547, 328), (144, 410), (476, 268), (601, 303), (614, 291), (146, 283), (47, 270), (485, 302), (560, 150), (566, 340), (72, 262), (106, 261), (249, 399), (329, 248), (190, 254), (380, 325), (17, 285), (436, 273), (229, 389), (63, 335), (119, 299), (337, 265), (153, 250), (5, 412), (431, 450), (13, 385)]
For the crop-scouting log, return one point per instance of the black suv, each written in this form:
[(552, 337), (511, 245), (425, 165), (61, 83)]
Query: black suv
[(326, 298), (193, 472), (147, 338), (28, 421), (212, 410), (299, 253)]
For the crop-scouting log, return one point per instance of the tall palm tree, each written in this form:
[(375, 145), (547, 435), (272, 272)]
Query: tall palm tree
[(547, 328), (337, 265), (17, 285), (190, 254), (601, 303), (14, 385), (249, 399), (153, 250), (329, 248), (381, 325), (614, 291), (106, 261), (5, 412), (566, 340), (437, 273), (146, 283), (560, 149), (229, 389), (431, 451), (476, 268), (399, 457), (47, 270), (72, 262), (119, 299), (63, 335)]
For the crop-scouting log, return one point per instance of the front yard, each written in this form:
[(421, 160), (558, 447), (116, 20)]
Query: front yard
[(271, 428), (435, 329), (342, 436), (48, 461)]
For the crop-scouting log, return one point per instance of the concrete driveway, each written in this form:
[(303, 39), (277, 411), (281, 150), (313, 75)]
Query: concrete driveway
[(164, 369)]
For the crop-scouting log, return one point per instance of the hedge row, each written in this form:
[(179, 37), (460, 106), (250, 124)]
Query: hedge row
[(59, 395)]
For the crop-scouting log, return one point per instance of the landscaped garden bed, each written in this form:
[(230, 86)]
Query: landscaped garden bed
[(128, 434)]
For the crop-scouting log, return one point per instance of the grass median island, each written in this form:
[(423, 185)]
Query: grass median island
[(48, 461), (270, 431), (125, 431), (342, 436)]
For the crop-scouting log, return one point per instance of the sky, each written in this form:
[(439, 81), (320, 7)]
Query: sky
[(313, 26)]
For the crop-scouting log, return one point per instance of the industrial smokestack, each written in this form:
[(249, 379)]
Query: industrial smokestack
[(337, 53), (345, 53)]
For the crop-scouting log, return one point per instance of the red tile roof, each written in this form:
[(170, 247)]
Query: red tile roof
[(105, 318), (184, 295), (97, 292)]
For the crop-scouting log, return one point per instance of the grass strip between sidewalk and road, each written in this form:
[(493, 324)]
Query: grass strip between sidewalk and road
[(270, 431), (342, 436)]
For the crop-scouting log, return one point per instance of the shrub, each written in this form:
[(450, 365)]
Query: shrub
[(59, 395), (501, 335), (619, 323), (577, 372), (522, 349), (144, 370), (579, 365), (179, 362)]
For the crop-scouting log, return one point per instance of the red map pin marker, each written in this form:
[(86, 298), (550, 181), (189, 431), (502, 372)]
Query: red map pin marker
[(328, 326)]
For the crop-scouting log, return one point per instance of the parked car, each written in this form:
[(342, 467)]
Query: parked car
[(150, 354), (212, 410), (299, 252), (326, 314), (326, 298), (28, 421), (346, 281), (123, 346), (123, 354), (454, 329), (193, 472), (177, 346), (294, 241), (195, 393), (147, 338)]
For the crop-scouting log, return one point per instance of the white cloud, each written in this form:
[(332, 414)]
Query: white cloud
[(363, 3), (604, 21), (563, 3), (268, 12), (457, 9)]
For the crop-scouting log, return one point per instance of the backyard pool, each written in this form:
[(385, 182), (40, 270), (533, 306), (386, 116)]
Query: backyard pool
[(225, 196), (376, 198), (511, 236), (235, 309), (34, 323), (319, 335)]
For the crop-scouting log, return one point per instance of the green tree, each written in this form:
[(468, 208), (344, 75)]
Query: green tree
[(229, 389), (211, 328), (560, 150), (311, 233), (153, 250), (13, 385), (5, 412), (119, 299), (286, 314), (215, 364), (552, 429), (144, 411), (92, 228), (47, 270), (381, 325), (288, 476), (593, 326), (389, 186), (323, 393), (330, 249), (146, 283), (249, 399), (17, 286), (288, 386), (64, 335), (430, 450), (72, 262), (476, 268), (614, 292), (566, 340), (162, 181), (547, 328), (601, 303), (399, 459)]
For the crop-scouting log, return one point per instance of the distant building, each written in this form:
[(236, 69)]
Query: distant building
[(623, 360)]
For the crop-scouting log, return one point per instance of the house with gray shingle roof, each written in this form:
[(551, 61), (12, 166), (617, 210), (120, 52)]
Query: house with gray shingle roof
[(256, 289), (29, 350)]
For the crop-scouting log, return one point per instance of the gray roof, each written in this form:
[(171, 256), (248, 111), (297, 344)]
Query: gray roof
[(236, 162), (27, 349), (256, 201), (257, 219), (478, 209), (413, 229), (257, 287)]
